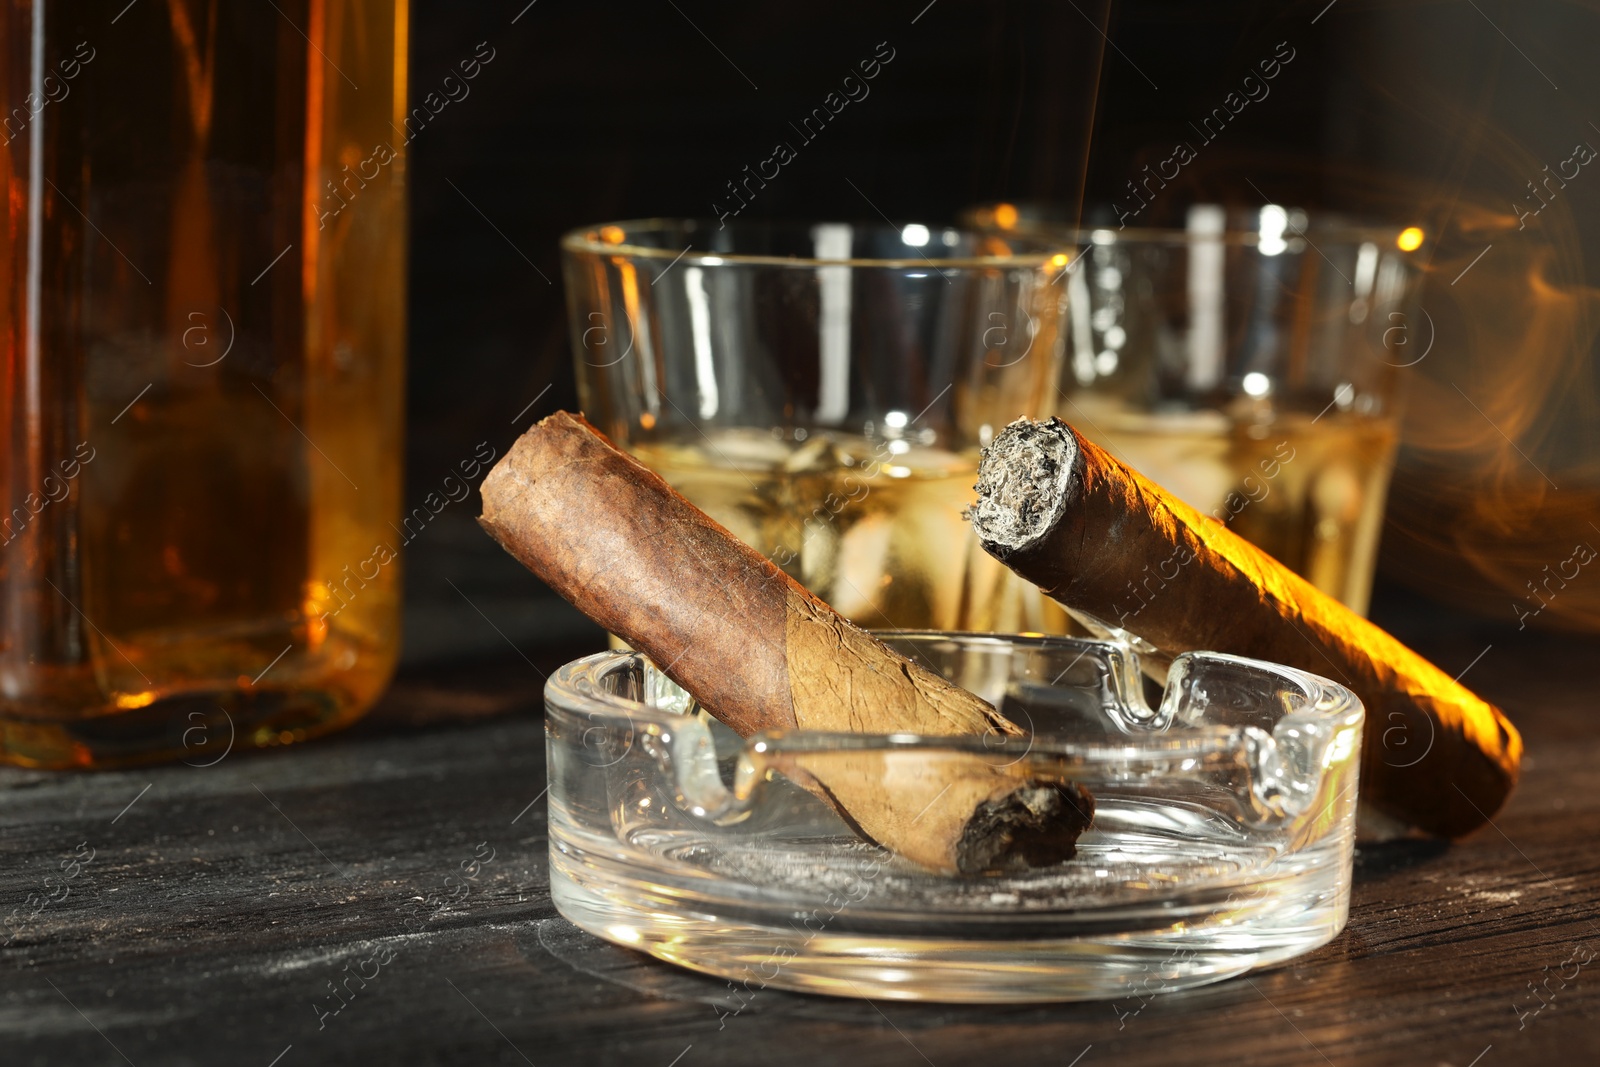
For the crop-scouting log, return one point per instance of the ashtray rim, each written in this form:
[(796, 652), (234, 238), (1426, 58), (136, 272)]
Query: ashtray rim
[(575, 687)]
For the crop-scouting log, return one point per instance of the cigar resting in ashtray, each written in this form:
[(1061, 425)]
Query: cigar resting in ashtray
[(759, 652), (1109, 544)]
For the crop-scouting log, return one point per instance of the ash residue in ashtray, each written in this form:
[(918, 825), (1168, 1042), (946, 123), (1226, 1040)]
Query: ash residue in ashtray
[(845, 875)]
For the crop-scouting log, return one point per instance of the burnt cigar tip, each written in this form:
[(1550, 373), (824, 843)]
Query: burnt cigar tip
[(1025, 482), (1035, 826)]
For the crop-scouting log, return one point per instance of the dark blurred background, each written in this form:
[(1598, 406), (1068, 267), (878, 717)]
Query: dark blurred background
[(1438, 114)]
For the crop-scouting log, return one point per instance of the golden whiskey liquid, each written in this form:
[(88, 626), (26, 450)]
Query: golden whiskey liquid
[(1307, 489), (872, 527), (186, 309), (875, 527)]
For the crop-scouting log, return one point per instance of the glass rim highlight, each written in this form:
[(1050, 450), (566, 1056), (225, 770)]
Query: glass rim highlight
[(1031, 220), (612, 239)]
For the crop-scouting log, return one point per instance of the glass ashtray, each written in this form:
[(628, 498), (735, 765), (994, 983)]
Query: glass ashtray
[(1222, 839)]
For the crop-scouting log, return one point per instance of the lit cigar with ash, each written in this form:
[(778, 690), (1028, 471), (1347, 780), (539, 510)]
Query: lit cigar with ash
[(759, 652), (1109, 544)]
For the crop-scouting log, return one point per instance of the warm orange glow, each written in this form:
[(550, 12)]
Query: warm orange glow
[(611, 235), (402, 50), (648, 421), (1005, 216), (1058, 260), (1410, 239), (314, 608), (310, 226)]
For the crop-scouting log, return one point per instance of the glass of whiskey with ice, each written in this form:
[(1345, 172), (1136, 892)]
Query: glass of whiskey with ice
[(1250, 361), (822, 390)]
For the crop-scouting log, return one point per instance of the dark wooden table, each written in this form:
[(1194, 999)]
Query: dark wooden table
[(221, 902)]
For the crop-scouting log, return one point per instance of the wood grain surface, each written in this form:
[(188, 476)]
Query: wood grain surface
[(221, 901)]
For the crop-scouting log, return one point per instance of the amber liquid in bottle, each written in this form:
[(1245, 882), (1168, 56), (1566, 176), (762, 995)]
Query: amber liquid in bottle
[(203, 269)]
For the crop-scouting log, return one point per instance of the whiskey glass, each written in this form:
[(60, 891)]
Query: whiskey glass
[(1250, 362), (822, 390)]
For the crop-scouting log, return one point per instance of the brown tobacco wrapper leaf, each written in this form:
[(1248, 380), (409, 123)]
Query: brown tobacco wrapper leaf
[(1108, 543), (759, 652)]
